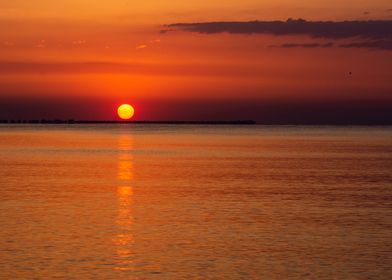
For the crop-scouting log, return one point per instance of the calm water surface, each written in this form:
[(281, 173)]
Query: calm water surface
[(195, 202)]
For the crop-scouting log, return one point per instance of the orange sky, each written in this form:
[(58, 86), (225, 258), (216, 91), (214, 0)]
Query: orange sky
[(116, 52)]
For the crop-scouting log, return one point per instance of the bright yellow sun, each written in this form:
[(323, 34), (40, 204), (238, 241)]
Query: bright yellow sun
[(125, 111)]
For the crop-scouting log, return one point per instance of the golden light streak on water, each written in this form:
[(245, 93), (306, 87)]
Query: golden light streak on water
[(123, 240)]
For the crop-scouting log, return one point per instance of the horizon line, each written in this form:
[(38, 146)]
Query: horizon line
[(195, 122)]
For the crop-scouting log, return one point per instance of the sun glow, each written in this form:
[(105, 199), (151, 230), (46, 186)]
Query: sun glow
[(125, 111)]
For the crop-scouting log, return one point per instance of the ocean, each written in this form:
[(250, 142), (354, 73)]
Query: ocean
[(195, 202)]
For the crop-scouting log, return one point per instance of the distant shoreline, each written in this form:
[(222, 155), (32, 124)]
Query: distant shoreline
[(237, 122)]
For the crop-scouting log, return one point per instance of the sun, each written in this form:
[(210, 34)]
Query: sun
[(125, 111)]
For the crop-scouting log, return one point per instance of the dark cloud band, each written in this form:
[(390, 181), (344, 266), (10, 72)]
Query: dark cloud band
[(371, 29)]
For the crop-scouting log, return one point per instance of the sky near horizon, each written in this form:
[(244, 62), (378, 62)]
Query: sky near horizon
[(80, 59)]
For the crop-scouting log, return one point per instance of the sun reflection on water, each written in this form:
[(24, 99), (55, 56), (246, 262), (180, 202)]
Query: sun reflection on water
[(123, 240)]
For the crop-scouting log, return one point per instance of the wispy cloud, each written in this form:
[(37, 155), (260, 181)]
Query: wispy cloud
[(375, 45), (79, 42), (307, 45), (379, 45), (140, 47), (151, 42)]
